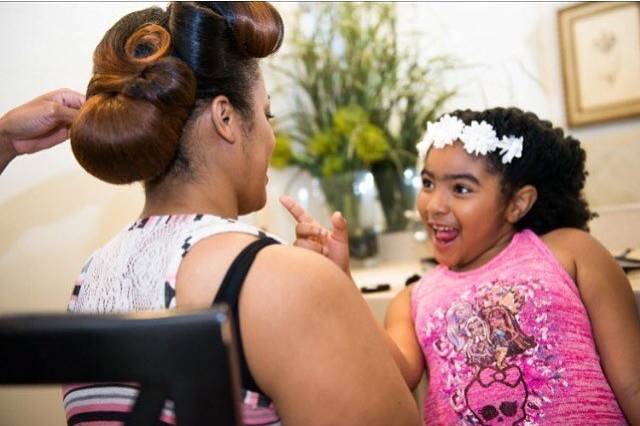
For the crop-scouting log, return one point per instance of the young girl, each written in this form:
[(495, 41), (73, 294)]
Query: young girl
[(527, 319)]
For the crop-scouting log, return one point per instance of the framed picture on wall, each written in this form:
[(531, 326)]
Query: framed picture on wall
[(600, 49)]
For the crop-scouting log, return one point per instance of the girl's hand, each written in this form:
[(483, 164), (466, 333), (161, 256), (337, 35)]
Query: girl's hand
[(313, 236)]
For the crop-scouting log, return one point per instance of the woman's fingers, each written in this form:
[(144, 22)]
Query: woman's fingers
[(67, 97), (28, 146)]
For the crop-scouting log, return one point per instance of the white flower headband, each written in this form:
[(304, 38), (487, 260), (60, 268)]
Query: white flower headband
[(477, 138)]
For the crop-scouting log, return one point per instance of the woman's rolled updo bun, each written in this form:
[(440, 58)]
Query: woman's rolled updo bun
[(138, 101), (221, 42), (151, 69), (256, 26)]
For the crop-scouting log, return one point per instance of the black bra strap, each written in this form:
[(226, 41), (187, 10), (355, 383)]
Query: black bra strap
[(229, 293)]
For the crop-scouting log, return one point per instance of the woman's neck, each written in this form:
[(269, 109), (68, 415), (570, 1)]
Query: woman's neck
[(190, 197)]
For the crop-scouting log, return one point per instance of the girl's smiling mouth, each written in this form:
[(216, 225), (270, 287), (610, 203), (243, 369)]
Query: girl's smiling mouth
[(443, 235)]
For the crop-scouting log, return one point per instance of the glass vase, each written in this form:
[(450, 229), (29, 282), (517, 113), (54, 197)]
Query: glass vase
[(352, 193)]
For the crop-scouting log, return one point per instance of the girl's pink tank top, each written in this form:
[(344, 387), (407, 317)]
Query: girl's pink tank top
[(510, 343)]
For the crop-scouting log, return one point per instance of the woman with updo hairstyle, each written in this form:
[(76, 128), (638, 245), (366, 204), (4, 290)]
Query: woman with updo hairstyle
[(177, 102)]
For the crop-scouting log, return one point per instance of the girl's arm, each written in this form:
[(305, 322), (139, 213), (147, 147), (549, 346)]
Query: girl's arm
[(399, 325), (607, 295)]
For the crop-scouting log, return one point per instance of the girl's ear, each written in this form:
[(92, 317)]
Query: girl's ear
[(520, 203), (223, 118)]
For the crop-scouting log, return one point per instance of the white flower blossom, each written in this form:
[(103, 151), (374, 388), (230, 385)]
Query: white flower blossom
[(479, 138), (510, 148), (440, 134), (446, 131), (423, 147)]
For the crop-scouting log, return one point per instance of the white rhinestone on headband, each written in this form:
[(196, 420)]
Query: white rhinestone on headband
[(477, 138)]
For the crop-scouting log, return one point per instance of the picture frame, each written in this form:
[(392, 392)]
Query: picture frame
[(600, 53)]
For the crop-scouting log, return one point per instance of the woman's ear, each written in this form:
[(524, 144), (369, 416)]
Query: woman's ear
[(520, 203), (223, 118)]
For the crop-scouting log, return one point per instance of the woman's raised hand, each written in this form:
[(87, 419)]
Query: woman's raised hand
[(38, 124), (310, 234)]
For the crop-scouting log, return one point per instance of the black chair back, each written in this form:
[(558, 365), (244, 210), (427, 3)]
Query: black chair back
[(186, 356)]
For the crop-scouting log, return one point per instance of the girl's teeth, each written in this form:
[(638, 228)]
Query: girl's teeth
[(445, 233)]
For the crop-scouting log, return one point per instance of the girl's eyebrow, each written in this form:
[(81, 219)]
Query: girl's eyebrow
[(455, 176)]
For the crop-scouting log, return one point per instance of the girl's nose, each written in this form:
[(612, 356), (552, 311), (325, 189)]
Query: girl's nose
[(438, 203)]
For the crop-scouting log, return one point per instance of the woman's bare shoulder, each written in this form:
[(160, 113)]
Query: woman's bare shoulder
[(203, 268), (304, 321), (278, 267)]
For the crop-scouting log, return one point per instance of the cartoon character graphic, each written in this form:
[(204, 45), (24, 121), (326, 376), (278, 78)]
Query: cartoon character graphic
[(506, 335), (478, 348), (498, 396), (457, 316)]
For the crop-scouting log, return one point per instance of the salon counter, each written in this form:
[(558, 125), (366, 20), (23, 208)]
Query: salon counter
[(395, 273)]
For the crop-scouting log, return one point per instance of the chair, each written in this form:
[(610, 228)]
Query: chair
[(186, 356)]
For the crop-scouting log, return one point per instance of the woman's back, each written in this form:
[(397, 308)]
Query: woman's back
[(135, 271), (291, 328)]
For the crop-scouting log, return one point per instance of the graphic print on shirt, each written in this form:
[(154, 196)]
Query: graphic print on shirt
[(496, 369), (498, 396)]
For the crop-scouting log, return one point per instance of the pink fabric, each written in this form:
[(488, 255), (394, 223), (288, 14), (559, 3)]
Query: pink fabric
[(88, 408), (510, 343)]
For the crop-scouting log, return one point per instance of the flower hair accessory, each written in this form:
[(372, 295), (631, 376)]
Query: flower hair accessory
[(477, 138)]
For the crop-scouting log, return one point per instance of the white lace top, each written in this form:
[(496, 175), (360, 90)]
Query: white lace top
[(137, 271)]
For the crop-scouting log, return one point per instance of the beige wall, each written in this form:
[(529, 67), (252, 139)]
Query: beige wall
[(509, 55), (54, 214)]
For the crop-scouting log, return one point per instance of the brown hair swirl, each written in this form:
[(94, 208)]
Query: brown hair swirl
[(150, 69), (137, 102)]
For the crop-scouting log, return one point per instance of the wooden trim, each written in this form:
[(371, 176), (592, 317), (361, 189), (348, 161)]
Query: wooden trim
[(577, 115)]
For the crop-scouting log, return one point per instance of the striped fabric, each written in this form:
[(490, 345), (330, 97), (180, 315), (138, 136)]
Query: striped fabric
[(136, 271), (105, 404)]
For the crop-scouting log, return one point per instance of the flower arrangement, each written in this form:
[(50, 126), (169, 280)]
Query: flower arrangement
[(361, 101)]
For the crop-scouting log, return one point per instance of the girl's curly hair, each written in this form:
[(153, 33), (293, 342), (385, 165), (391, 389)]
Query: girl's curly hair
[(551, 162)]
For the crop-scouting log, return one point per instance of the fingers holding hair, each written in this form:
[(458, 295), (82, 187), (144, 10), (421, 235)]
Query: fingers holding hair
[(41, 122), (67, 98)]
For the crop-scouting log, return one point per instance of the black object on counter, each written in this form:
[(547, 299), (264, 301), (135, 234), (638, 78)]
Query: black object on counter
[(428, 261), (627, 263), (412, 279), (376, 289)]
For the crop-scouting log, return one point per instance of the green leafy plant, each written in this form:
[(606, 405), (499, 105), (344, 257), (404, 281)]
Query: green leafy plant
[(360, 99)]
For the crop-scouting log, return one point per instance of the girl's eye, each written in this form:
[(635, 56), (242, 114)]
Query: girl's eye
[(461, 189), (427, 183), (269, 116)]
